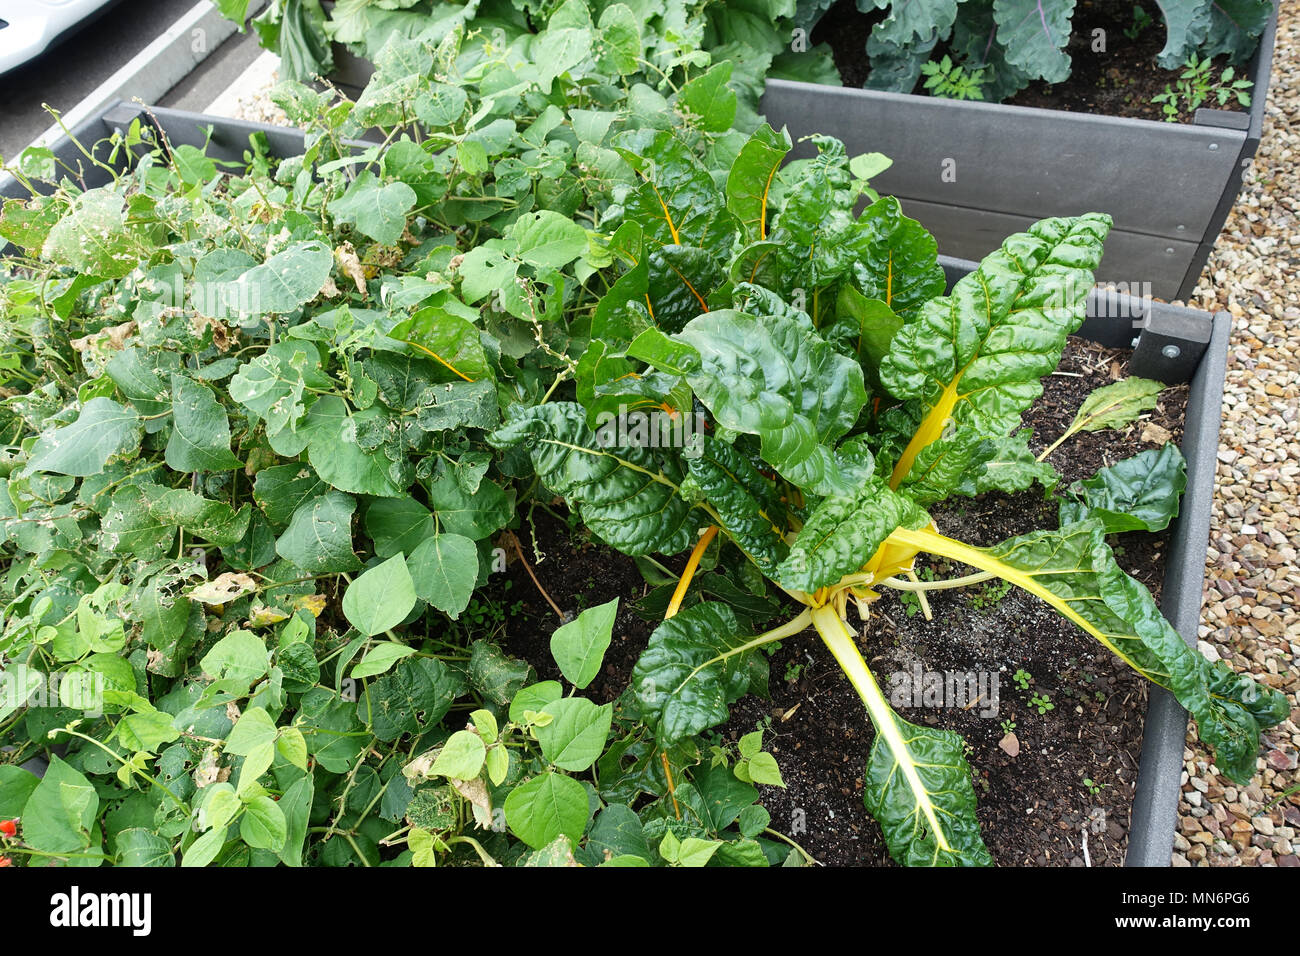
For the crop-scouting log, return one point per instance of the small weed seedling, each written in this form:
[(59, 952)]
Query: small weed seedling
[(1141, 20), (1008, 726), (982, 598), (1197, 86), (1022, 678), (1043, 702), (951, 81)]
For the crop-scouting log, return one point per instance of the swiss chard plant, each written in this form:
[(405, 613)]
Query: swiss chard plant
[(841, 393), (1016, 41)]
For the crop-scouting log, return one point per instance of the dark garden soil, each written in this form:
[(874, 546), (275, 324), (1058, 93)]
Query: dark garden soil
[(578, 573), (1120, 81), (1034, 807)]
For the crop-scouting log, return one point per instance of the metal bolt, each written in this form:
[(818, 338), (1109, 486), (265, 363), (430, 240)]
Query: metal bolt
[(1213, 146), (1169, 251), (1182, 228), (1134, 343), (1171, 351)]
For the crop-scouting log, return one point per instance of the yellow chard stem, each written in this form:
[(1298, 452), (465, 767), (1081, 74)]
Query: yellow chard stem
[(839, 640), (693, 562), (929, 430)]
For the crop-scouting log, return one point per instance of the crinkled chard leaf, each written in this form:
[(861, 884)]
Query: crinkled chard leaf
[(844, 532), (678, 203), (626, 494), (748, 503), (967, 463), (1140, 493), (694, 666), (750, 181), (773, 377), (976, 356), (897, 259), (939, 760), (1011, 466), (679, 284)]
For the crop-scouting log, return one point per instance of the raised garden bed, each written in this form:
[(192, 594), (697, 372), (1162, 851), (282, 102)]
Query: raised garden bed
[(1172, 345), (972, 172)]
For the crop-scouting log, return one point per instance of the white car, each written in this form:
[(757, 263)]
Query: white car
[(28, 27)]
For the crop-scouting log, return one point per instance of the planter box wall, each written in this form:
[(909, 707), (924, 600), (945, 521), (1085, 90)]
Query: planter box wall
[(1170, 343), (1169, 186)]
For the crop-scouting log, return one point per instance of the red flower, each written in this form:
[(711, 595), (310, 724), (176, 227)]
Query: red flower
[(9, 827)]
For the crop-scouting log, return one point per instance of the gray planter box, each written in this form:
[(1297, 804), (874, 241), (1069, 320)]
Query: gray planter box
[(973, 173), (1170, 343)]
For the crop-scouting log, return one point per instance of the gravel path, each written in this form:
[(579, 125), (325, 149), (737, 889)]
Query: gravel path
[(1251, 619)]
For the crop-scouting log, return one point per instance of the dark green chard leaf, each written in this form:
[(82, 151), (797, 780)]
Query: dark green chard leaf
[(943, 465), (749, 183), (1010, 467), (816, 204), (940, 761), (678, 203), (773, 377), (844, 532), (628, 495), (747, 502), (695, 665), (1137, 494), (681, 281), (976, 356), (966, 463), (897, 259)]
